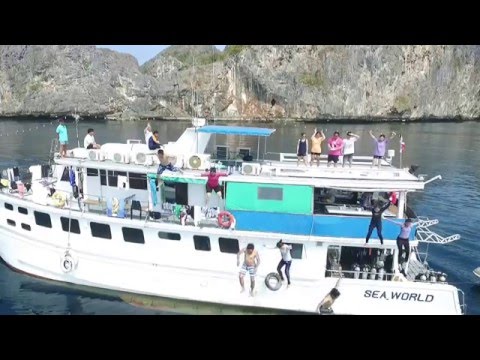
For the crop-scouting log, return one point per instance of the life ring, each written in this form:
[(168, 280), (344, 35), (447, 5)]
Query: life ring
[(226, 220), (277, 284), (68, 263), (59, 199)]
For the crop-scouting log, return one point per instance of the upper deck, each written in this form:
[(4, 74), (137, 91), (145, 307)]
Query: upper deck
[(136, 157)]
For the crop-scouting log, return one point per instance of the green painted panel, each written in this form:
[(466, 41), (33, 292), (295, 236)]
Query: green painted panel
[(289, 199)]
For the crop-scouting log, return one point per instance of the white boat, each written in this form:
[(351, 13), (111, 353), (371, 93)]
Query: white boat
[(115, 225)]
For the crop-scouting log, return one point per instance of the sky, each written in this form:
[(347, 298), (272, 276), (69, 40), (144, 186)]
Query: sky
[(143, 53)]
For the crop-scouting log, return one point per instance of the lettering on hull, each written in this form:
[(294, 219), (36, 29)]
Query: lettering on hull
[(398, 295)]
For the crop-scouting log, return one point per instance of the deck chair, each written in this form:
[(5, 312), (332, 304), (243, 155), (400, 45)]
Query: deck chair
[(136, 205)]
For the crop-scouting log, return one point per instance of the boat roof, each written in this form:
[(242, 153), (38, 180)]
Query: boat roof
[(236, 130)]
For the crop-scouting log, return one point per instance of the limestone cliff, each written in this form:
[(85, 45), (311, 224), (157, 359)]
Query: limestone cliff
[(245, 82)]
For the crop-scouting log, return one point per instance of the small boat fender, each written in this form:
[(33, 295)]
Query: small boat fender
[(68, 262)]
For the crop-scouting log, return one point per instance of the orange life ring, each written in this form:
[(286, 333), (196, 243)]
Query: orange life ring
[(225, 219)]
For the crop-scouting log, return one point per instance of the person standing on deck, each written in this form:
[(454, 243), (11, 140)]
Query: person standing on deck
[(376, 221), (286, 260), (335, 146), (62, 136), (250, 264), (403, 239), (349, 148), (317, 138), (302, 149), (380, 148)]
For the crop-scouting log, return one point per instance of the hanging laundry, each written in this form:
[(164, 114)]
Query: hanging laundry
[(72, 177), (153, 191)]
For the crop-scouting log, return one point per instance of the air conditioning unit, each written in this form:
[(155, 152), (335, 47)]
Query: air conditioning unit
[(198, 161), (121, 158), (140, 158), (249, 168), (96, 155)]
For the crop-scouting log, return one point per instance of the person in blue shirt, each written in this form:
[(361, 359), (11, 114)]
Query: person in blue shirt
[(153, 142), (62, 136)]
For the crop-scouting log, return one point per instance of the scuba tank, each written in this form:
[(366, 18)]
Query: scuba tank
[(365, 271), (381, 273), (356, 269)]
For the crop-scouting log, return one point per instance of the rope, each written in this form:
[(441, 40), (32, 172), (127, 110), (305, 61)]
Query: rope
[(69, 220), (20, 132)]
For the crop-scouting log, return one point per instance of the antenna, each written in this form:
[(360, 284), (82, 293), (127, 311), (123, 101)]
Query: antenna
[(77, 120)]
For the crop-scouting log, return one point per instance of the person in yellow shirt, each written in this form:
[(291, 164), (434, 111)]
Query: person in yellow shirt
[(317, 138)]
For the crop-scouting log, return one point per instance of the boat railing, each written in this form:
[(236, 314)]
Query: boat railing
[(292, 157), (425, 235), (463, 305), (360, 275)]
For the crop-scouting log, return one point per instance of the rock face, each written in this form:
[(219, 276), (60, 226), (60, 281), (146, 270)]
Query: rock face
[(245, 82)]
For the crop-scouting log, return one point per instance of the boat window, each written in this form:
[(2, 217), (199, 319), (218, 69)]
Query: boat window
[(297, 251), (42, 219), (181, 193), (92, 172), (168, 235), (229, 246), (26, 227), (137, 181), (133, 235), (112, 177), (74, 225), (268, 193), (103, 177), (22, 210), (8, 206), (65, 174), (100, 230), (11, 222), (201, 242)]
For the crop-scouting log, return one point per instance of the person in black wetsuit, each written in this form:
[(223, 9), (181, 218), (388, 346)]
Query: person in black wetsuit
[(376, 221)]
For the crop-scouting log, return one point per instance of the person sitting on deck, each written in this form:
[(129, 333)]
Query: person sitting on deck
[(213, 182), (376, 221), (250, 265), (153, 142), (148, 133), (165, 163), (89, 140)]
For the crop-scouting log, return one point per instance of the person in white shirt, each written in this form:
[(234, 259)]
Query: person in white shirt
[(286, 260), (148, 133), (89, 141), (349, 148)]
